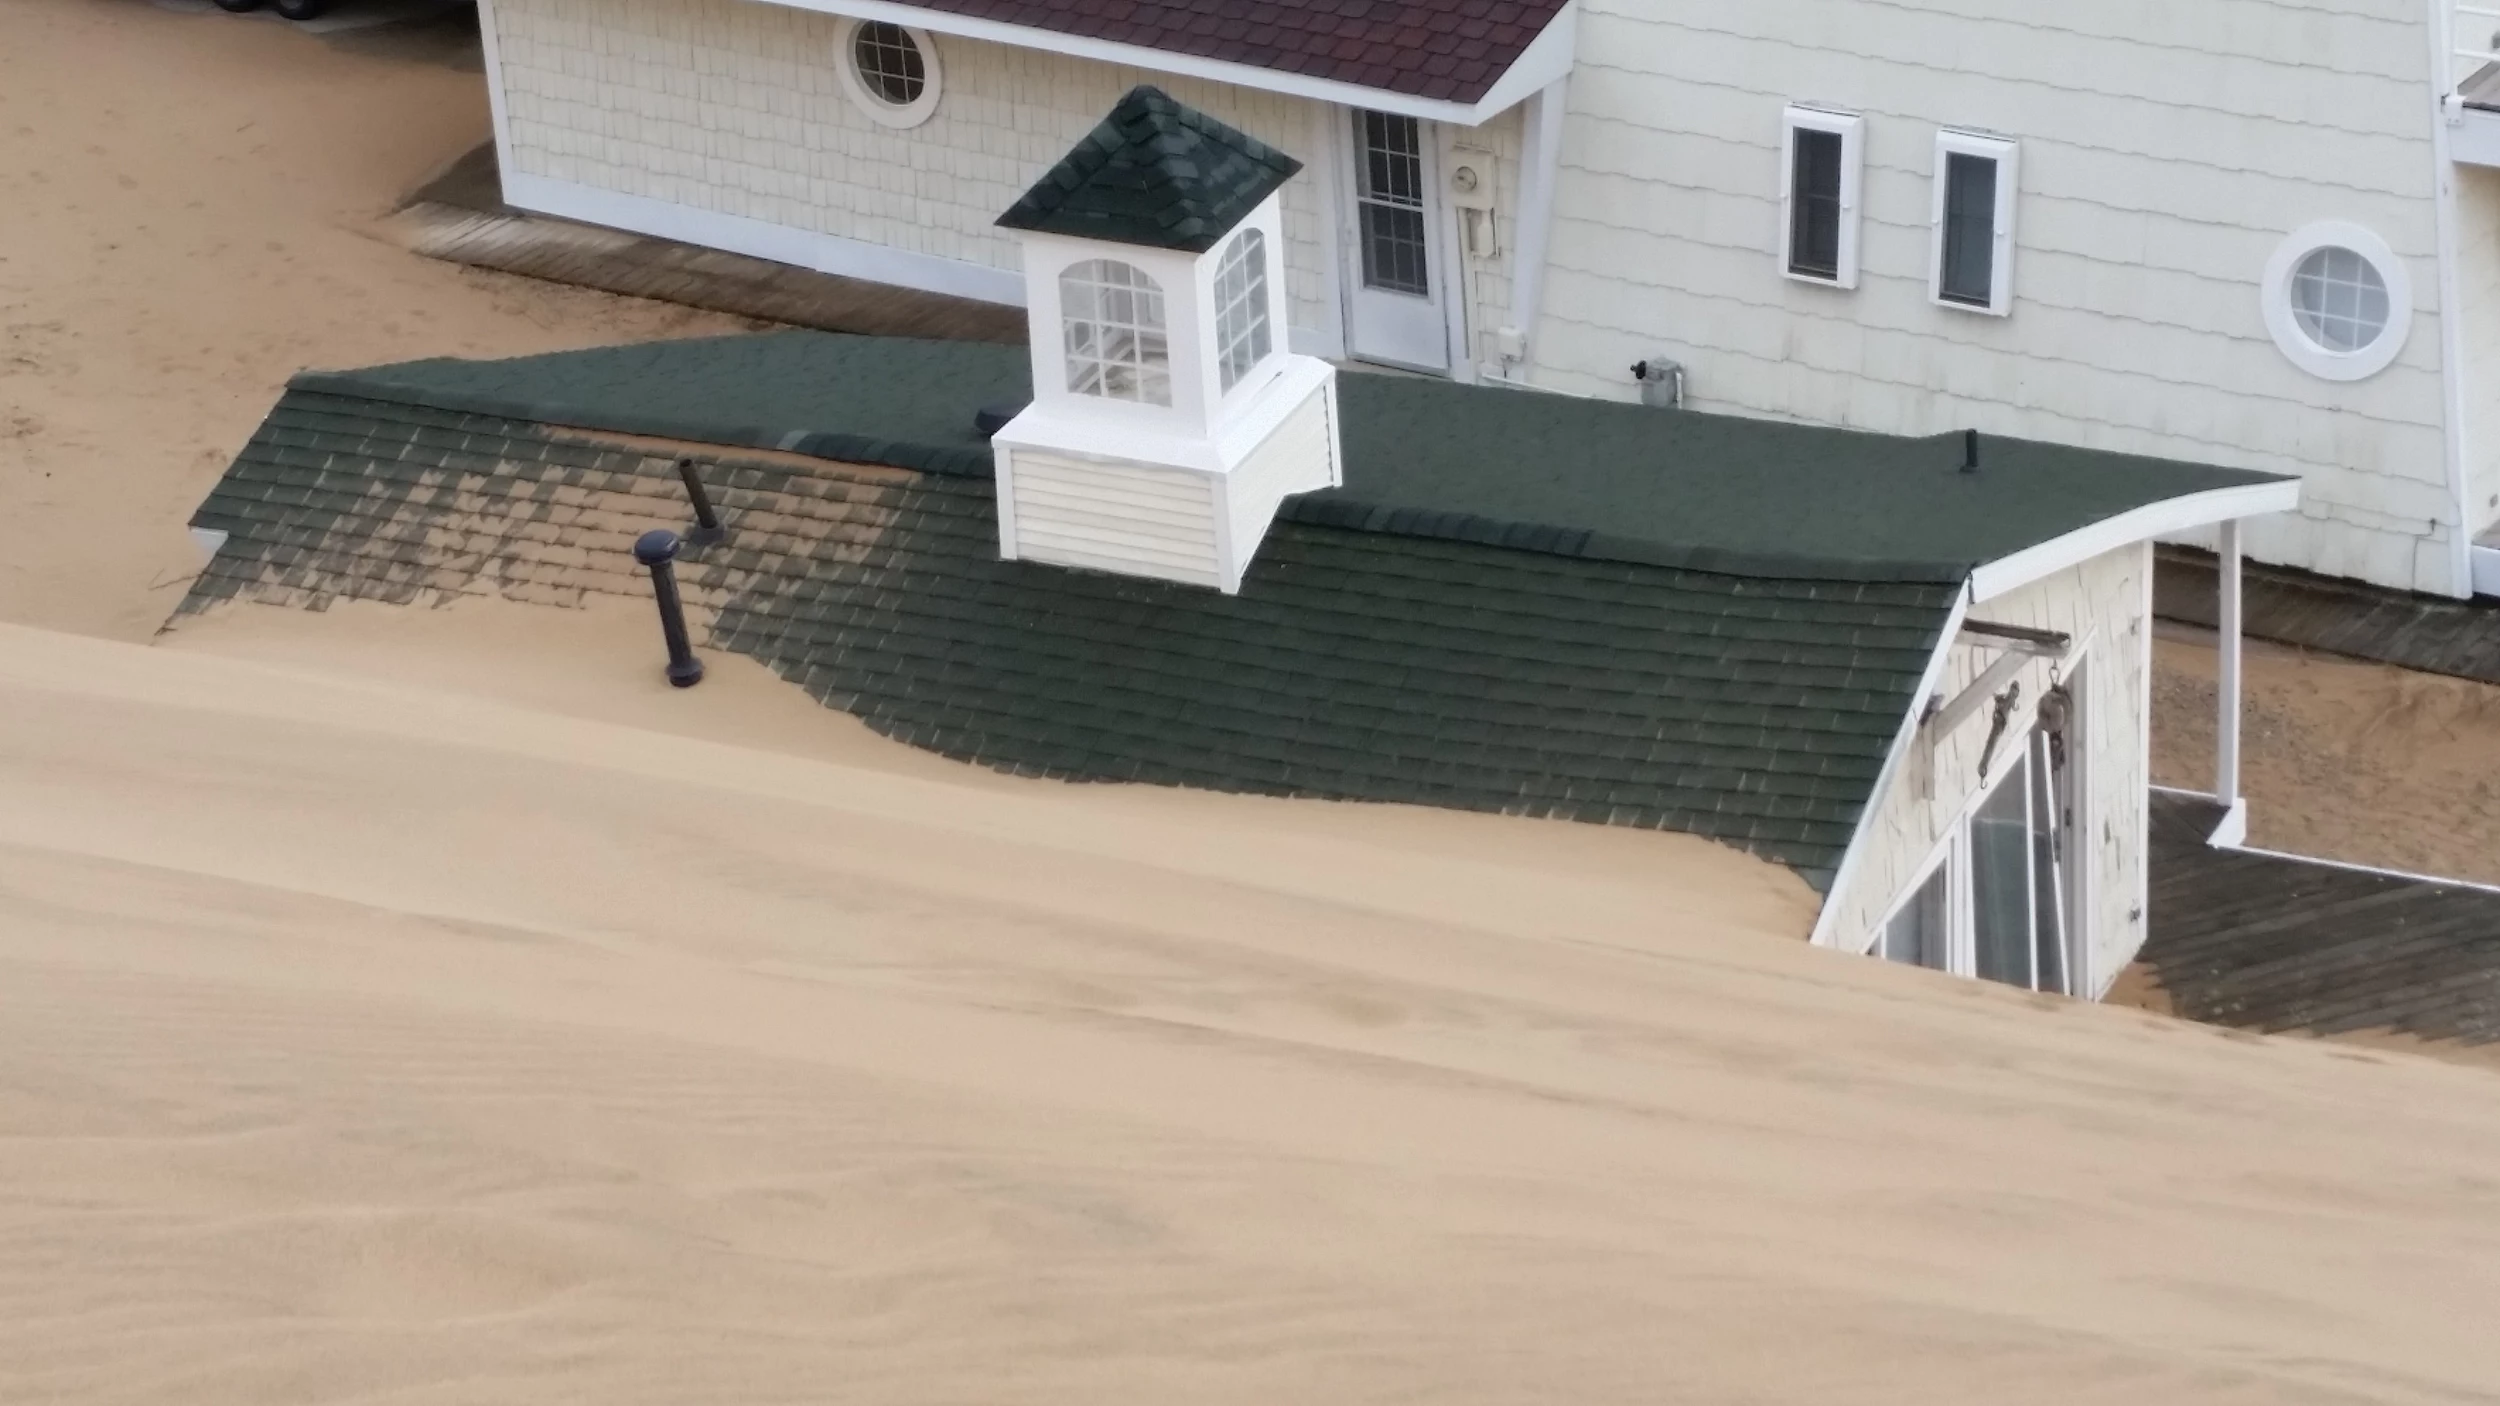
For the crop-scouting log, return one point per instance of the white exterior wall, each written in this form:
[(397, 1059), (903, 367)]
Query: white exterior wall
[(2478, 296), (2167, 149), (735, 107), (1286, 462), (1133, 519), (2103, 605)]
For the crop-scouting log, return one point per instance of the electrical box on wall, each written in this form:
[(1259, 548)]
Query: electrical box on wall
[(1471, 178), (1470, 183)]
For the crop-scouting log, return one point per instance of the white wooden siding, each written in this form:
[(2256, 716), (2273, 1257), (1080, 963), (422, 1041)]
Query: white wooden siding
[(2166, 150), (1294, 458), (735, 107), (2101, 605), (2478, 293), (1105, 516)]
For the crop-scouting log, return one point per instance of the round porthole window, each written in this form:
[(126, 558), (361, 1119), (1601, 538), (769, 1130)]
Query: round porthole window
[(2338, 301), (890, 72)]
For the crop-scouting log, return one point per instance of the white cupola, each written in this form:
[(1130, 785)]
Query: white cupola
[(1168, 421)]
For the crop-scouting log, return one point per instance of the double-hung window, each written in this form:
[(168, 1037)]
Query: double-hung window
[(1822, 160), (1972, 264)]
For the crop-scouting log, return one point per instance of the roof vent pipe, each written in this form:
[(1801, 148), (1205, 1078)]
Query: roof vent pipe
[(1970, 451), (1662, 382)]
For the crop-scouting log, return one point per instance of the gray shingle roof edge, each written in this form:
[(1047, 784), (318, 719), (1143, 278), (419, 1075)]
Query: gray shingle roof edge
[(1340, 509), (1551, 474)]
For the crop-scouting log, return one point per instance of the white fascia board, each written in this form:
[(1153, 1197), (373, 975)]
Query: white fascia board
[(1905, 736), (1545, 59), (2161, 519)]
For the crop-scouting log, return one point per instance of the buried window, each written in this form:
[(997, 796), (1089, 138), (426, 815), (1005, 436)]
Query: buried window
[(2003, 899)]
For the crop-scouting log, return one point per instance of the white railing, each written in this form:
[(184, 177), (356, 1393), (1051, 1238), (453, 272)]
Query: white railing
[(2473, 39)]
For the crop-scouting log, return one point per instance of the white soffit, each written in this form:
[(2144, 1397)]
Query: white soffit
[(2161, 519), (1547, 58)]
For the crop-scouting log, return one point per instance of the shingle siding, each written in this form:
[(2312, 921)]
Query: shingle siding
[(2103, 606), (2166, 151), (735, 107)]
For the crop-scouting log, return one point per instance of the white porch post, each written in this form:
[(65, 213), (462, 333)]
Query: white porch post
[(1540, 164), (2227, 672)]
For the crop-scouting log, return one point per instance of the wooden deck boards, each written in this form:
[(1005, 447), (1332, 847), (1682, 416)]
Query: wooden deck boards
[(2404, 628), (460, 217), (2274, 943)]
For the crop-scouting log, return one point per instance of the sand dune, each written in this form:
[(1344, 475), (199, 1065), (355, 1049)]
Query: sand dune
[(361, 1044), (186, 213)]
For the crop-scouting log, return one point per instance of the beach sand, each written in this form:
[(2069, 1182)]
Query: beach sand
[(187, 206), (2341, 758), (433, 1007), (362, 1042)]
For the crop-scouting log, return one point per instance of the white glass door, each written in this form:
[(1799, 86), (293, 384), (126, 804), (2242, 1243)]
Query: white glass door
[(1395, 303)]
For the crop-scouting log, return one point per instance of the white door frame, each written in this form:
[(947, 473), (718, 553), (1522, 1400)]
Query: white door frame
[(1399, 331)]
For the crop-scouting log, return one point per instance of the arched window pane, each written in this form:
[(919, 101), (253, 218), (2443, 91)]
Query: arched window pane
[(1242, 338), (1111, 315)]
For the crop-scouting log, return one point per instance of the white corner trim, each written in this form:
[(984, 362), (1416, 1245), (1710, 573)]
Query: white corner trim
[(1541, 164), (1906, 736), (1547, 58), (2275, 294), (2232, 829), (2160, 519), (493, 55), (210, 541), (762, 239), (874, 105), (2461, 562)]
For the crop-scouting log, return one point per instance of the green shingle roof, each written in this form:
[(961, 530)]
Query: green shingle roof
[(1555, 474), (1355, 665), (1154, 172)]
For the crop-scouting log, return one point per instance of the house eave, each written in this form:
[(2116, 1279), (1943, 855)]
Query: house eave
[(1547, 58), (2169, 516)]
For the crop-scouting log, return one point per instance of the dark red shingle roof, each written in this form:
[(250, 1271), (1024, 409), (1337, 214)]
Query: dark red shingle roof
[(1451, 50)]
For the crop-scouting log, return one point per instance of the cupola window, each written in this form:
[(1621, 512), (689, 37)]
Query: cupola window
[(1112, 317), (1242, 336)]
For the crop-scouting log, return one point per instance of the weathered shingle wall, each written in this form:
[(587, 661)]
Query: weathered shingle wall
[(2101, 605), (736, 108), (2166, 151), (1353, 664)]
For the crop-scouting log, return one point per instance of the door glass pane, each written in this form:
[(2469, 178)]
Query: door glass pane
[(1814, 205), (2000, 880), (1389, 203), (1970, 229), (1916, 933), (2048, 869)]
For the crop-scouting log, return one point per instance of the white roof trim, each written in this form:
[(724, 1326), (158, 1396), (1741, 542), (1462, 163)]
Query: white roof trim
[(1544, 60), (1896, 760), (2152, 520)]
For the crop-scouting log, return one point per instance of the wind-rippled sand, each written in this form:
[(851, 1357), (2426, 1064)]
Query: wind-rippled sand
[(361, 1044)]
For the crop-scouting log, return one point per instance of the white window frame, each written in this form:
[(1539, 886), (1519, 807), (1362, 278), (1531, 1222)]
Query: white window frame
[(2283, 324), (874, 104), (2007, 153), (1130, 361), (1250, 303), (1851, 129), (1952, 854)]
